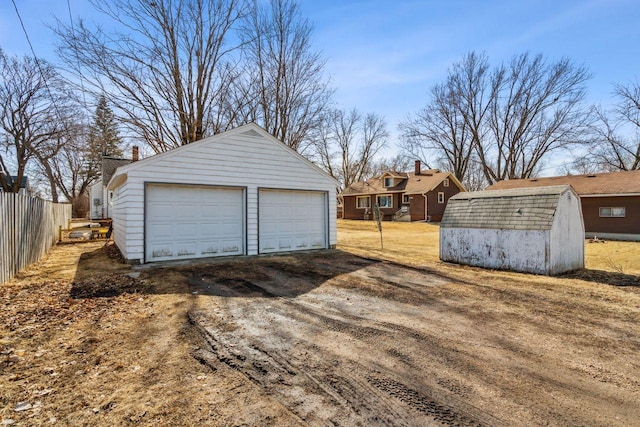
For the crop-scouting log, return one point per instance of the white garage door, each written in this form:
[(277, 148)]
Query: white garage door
[(193, 222), (292, 220)]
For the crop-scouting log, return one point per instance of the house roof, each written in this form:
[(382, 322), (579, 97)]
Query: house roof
[(411, 184), (109, 166), (24, 182), (512, 209), (250, 129), (599, 184)]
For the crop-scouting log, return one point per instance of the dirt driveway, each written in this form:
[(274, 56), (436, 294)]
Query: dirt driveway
[(342, 340), (326, 338)]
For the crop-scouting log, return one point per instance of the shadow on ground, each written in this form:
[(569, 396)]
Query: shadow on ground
[(276, 276), (606, 277)]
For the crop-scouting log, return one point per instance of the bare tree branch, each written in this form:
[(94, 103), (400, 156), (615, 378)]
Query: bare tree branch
[(33, 108), (163, 69)]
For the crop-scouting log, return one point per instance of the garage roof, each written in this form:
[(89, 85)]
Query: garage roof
[(250, 129), (515, 209)]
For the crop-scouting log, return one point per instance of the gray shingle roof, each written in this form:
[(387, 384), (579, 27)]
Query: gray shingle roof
[(517, 209), (109, 166)]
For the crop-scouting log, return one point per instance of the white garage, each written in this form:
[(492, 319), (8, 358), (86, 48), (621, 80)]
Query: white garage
[(193, 221), (241, 192), (292, 220)]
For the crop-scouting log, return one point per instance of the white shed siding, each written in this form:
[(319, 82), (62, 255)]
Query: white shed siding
[(519, 250), (242, 157), (568, 224)]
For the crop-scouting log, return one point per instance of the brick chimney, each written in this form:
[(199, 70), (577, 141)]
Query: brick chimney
[(134, 153), (417, 167)]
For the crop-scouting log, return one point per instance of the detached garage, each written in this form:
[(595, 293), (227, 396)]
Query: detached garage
[(535, 230), (241, 192)]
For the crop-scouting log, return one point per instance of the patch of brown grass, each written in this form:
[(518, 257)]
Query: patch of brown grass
[(619, 257), (418, 244), (80, 345), (415, 243)]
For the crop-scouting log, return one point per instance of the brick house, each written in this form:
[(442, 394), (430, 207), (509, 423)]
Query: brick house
[(610, 201), (421, 195)]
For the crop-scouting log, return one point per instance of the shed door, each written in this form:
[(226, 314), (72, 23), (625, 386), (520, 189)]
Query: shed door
[(193, 222), (292, 220)]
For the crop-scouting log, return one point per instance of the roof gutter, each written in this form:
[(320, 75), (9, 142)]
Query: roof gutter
[(116, 181)]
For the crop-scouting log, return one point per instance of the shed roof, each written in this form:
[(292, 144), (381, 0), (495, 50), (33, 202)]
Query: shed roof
[(597, 184), (515, 209)]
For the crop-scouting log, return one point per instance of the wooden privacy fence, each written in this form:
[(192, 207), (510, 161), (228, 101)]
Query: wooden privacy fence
[(28, 229)]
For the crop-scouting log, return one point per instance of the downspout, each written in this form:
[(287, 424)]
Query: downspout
[(426, 211)]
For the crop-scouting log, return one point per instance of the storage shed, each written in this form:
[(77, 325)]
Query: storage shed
[(535, 230), (241, 192)]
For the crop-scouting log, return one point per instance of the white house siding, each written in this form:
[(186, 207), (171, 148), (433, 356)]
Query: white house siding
[(244, 157), (96, 193), (536, 230)]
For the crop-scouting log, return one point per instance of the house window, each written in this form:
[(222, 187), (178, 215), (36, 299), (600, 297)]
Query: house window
[(406, 199), (385, 201), (612, 212), (363, 202), (445, 182), (441, 197), (388, 182)]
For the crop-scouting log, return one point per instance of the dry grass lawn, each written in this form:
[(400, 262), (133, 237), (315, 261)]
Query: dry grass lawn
[(68, 357), (417, 244)]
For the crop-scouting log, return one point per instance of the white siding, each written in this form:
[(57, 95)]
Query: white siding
[(95, 196), (518, 250), (242, 157), (567, 235)]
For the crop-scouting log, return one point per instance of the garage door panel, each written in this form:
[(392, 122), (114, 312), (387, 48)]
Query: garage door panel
[(291, 220), (192, 222), (161, 250), (210, 249)]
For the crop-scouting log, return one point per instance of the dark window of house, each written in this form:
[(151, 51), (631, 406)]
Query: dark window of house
[(613, 212)]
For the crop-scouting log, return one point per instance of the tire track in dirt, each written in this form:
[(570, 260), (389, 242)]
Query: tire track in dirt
[(338, 386), (319, 396)]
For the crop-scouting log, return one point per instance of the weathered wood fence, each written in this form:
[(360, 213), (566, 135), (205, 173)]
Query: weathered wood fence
[(28, 229)]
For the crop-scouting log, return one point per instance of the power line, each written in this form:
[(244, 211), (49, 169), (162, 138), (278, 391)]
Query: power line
[(73, 34), (37, 62)]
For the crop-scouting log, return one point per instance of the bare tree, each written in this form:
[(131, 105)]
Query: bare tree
[(536, 110), (285, 74), (33, 108), (616, 145), (73, 169), (163, 69), (349, 143), (399, 163), (506, 120), (447, 130)]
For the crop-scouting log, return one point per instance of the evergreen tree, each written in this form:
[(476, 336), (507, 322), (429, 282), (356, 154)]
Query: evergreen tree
[(104, 130), (103, 136)]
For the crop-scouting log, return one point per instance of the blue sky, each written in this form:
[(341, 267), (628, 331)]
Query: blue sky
[(383, 56)]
